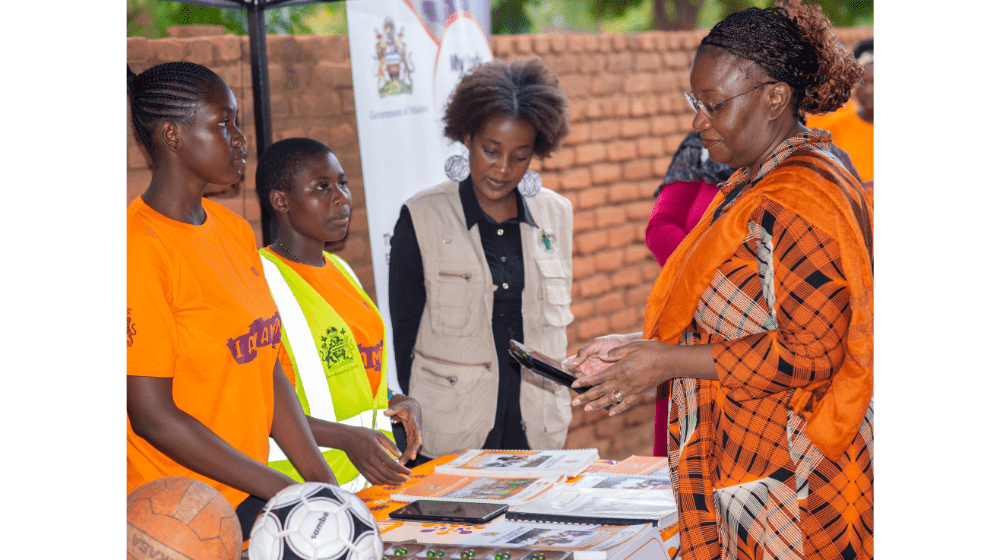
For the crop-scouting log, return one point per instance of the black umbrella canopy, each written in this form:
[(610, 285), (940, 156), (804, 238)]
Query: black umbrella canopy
[(266, 4), (258, 71)]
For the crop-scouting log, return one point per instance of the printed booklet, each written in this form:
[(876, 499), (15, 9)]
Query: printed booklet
[(410, 540), (622, 482), (658, 467), (607, 506), (453, 487), (588, 542), (519, 464)]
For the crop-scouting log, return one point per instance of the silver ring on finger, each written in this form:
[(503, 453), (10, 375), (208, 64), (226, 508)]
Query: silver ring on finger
[(618, 396)]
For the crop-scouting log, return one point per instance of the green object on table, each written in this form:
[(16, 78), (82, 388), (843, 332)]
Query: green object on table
[(401, 551)]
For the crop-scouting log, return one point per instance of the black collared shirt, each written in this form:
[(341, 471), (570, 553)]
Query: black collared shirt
[(407, 297)]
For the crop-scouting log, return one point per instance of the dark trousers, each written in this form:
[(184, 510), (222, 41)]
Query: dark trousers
[(247, 512)]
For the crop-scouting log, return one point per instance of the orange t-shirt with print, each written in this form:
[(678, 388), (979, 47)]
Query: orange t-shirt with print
[(365, 323), (200, 312)]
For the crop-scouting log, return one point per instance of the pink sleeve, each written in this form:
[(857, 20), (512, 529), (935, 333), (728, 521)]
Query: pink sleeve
[(668, 222)]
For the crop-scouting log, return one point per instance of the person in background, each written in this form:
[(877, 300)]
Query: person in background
[(683, 196), (687, 189), (331, 329), (854, 131), (205, 388), (761, 321), (483, 259)]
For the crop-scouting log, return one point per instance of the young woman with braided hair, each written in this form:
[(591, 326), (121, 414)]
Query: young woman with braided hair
[(759, 327), (204, 387)]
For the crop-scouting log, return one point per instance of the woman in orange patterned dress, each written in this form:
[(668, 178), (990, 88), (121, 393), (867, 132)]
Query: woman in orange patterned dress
[(760, 324)]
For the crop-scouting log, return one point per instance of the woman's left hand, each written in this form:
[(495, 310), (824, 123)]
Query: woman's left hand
[(639, 366), (634, 368), (407, 410)]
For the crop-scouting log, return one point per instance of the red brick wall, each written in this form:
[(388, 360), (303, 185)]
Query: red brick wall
[(628, 117)]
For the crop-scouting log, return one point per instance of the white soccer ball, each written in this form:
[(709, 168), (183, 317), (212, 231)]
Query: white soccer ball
[(315, 521)]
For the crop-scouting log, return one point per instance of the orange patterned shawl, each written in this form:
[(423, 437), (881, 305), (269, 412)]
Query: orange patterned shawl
[(834, 408)]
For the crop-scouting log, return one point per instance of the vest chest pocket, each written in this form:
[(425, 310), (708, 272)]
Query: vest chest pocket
[(555, 293), (455, 300), (446, 389)]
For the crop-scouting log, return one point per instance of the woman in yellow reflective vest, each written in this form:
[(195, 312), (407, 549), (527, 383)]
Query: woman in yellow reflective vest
[(333, 337)]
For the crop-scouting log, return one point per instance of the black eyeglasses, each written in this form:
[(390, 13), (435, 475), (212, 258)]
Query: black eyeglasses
[(711, 110)]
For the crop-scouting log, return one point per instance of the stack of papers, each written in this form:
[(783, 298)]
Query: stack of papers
[(452, 487), (519, 464), (566, 503)]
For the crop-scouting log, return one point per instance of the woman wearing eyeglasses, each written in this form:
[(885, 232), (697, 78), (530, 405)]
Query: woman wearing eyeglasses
[(760, 325)]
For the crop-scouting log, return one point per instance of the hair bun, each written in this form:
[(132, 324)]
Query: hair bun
[(838, 72)]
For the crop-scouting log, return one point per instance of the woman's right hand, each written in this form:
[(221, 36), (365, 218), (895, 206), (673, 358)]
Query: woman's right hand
[(587, 359), (375, 456)]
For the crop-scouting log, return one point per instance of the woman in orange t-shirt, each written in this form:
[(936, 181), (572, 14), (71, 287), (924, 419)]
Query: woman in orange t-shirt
[(853, 126), (204, 386)]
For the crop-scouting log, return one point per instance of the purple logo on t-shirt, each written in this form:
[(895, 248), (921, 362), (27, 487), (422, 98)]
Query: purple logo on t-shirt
[(262, 332), (371, 356)]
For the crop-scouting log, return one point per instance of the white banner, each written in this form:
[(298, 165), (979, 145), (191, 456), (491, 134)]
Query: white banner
[(406, 58)]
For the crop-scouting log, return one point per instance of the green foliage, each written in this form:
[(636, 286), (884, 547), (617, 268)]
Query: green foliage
[(842, 13), (623, 16), (509, 17), (151, 18)]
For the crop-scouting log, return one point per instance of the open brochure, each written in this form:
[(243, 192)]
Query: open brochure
[(588, 542), (609, 506), (622, 482), (440, 486), (519, 464), (636, 465)]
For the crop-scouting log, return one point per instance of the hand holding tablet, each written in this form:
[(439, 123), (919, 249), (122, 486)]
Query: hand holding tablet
[(544, 365)]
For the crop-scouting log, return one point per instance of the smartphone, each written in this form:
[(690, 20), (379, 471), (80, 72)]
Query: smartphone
[(450, 512), (543, 365), (546, 366)]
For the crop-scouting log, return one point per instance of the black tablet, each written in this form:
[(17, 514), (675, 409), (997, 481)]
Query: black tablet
[(542, 365), (449, 512)]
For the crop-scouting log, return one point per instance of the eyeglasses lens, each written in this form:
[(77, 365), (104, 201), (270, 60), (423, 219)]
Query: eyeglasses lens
[(697, 104)]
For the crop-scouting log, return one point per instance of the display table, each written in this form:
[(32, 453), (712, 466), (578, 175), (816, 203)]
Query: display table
[(377, 498)]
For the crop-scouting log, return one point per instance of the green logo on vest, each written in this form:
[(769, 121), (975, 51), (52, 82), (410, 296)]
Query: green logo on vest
[(333, 346)]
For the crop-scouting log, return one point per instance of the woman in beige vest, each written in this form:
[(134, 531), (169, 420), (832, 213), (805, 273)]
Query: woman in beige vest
[(482, 259)]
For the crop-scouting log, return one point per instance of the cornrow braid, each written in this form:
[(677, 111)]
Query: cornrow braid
[(168, 91), (795, 44)]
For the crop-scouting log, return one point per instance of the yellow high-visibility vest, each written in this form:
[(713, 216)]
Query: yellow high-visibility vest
[(332, 390)]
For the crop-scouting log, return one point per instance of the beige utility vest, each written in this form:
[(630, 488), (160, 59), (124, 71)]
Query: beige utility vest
[(455, 369)]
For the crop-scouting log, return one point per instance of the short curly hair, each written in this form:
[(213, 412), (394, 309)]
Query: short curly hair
[(793, 43), (523, 89)]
